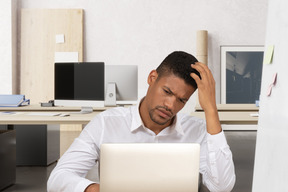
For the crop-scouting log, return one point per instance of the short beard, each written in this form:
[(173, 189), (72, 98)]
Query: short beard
[(151, 112)]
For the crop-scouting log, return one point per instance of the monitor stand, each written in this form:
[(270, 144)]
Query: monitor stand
[(110, 98), (84, 110)]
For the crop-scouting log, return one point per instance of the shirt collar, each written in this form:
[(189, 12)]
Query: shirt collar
[(136, 118), (137, 121)]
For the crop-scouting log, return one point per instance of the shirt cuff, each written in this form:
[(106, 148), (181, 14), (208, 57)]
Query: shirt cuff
[(82, 185), (218, 141)]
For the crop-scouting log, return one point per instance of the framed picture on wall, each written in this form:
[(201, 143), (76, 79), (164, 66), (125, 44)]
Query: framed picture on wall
[(241, 73)]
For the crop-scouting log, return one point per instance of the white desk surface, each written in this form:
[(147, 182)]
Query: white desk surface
[(232, 107), (237, 117), (21, 116), (56, 108), (25, 118)]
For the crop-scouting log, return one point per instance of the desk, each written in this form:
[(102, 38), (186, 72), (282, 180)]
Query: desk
[(234, 121), (232, 107), (47, 128), (234, 116), (23, 117), (231, 118), (38, 137)]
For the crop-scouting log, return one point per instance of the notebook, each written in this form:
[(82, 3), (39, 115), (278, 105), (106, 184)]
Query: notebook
[(149, 167)]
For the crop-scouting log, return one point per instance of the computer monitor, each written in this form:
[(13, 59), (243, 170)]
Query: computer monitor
[(79, 84), (121, 84)]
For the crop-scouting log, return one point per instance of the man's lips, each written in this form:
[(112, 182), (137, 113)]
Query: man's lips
[(164, 113)]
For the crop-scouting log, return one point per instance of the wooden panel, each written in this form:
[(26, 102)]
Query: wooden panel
[(73, 127), (38, 46), (66, 139)]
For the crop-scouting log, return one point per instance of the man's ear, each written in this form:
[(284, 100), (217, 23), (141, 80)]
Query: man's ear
[(152, 77)]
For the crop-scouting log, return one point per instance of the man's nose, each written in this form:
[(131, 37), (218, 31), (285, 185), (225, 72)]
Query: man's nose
[(170, 102)]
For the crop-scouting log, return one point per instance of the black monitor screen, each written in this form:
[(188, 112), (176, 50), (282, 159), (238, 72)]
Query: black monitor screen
[(79, 81)]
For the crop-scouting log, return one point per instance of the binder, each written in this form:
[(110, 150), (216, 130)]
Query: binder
[(13, 100)]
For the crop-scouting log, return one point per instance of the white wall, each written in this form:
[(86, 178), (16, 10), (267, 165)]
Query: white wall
[(144, 32), (7, 44)]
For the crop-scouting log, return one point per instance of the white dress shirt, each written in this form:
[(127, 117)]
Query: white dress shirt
[(124, 125)]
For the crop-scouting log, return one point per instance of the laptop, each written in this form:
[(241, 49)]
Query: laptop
[(149, 167)]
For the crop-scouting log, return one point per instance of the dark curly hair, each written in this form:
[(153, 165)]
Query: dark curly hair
[(179, 63)]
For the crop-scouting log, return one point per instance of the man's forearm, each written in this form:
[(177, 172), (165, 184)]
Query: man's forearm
[(212, 121)]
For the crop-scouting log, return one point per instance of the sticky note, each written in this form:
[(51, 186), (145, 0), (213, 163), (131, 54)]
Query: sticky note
[(60, 38), (268, 54)]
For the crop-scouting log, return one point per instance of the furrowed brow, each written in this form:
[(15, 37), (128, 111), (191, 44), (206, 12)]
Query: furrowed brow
[(171, 92)]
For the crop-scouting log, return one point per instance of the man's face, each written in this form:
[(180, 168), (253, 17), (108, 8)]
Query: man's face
[(166, 96)]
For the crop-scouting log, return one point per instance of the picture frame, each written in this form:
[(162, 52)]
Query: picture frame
[(241, 73)]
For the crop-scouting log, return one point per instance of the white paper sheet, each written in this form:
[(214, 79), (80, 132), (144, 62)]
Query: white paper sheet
[(62, 57)]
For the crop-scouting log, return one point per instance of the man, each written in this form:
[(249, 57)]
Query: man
[(155, 120)]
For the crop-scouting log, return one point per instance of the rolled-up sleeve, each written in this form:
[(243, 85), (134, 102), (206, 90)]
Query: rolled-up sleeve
[(216, 163)]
